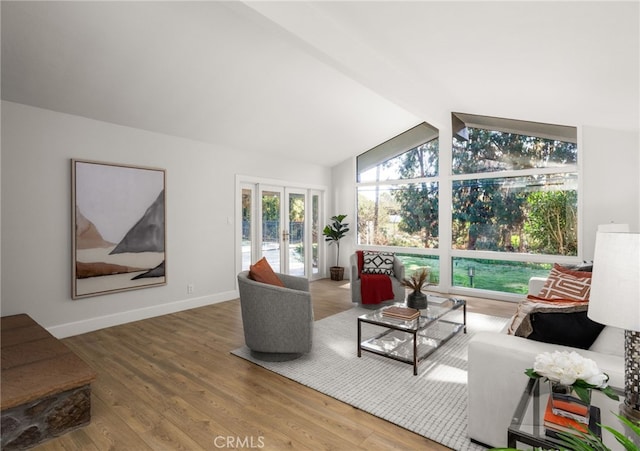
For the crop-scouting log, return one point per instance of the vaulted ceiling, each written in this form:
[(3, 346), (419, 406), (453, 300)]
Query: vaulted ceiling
[(322, 81)]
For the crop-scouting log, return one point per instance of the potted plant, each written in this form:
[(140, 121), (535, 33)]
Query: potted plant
[(417, 299), (333, 233)]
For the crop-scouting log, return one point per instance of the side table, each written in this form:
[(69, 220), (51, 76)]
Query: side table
[(527, 424)]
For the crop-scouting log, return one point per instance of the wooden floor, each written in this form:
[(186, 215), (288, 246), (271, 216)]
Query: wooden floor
[(170, 383)]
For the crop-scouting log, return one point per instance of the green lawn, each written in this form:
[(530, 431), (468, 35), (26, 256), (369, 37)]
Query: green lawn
[(495, 275)]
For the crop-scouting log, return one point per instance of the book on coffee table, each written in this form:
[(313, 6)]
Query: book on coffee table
[(404, 313)]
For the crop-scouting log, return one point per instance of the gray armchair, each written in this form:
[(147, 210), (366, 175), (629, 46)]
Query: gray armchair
[(396, 282), (277, 321)]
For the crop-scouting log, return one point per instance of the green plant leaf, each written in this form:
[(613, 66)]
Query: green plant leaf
[(610, 393), (532, 374), (583, 393), (580, 441), (635, 427), (624, 441), (627, 443)]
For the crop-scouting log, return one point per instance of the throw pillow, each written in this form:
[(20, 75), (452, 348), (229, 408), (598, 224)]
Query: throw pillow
[(584, 266), (564, 283), (573, 328), (533, 303), (262, 272), (378, 263)]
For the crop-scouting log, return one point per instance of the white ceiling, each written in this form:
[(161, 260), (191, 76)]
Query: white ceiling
[(322, 81)]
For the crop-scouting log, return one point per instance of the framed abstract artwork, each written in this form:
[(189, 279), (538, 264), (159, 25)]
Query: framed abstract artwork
[(118, 228)]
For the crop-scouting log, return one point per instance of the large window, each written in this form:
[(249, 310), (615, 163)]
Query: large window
[(398, 198), (514, 194), (512, 201), (533, 214), (398, 191)]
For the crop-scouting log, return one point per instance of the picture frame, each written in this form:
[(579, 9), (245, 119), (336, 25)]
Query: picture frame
[(118, 228)]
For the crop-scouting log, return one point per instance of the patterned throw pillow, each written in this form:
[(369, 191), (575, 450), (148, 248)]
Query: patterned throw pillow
[(378, 263), (563, 283)]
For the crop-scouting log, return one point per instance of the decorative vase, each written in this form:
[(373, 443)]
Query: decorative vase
[(337, 272), (565, 403), (417, 300)]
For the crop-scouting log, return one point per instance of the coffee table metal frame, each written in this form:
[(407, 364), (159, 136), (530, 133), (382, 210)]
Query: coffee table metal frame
[(427, 332)]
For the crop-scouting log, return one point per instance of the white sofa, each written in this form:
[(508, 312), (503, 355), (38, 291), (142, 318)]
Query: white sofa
[(497, 362)]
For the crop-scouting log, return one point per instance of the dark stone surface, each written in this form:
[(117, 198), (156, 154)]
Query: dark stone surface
[(71, 412), (28, 438), (27, 425), (39, 406)]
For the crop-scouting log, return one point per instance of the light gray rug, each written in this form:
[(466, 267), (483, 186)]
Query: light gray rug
[(432, 404)]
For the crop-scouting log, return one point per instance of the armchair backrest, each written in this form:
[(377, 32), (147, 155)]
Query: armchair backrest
[(276, 319), (398, 267)]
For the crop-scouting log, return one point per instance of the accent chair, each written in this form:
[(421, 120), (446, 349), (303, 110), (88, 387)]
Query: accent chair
[(398, 290), (277, 321)]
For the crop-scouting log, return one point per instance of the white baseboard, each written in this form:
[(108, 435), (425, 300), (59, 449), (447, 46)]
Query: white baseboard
[(115, 319)]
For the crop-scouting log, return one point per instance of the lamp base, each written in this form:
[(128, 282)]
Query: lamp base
[(630, 413), (630, 408), (633, 416)]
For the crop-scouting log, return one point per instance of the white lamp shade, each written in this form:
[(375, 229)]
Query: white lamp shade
[(615, 285)]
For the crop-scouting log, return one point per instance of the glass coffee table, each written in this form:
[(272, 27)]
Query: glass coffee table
[(411, 341)]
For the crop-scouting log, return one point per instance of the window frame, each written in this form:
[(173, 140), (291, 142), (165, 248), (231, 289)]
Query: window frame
[(445, 179)]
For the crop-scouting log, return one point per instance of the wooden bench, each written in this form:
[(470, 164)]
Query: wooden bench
[(45, 389)]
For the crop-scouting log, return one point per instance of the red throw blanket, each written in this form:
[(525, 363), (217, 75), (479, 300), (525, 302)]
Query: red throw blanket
[(374, 288)]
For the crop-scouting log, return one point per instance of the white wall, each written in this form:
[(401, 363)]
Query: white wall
[(37, 146), (610, 184), (343, 201)]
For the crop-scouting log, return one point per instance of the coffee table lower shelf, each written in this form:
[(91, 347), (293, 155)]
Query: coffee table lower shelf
[(410, 346)]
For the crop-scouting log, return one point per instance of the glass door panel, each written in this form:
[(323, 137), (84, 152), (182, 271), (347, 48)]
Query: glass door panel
[(272, 227), (294, 236), (247, 227), (281, 224), (315, 234)]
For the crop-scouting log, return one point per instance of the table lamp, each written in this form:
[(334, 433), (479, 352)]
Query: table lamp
[(615, 301)]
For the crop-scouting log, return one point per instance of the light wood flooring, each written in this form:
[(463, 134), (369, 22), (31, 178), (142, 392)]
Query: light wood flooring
[(170, 383)]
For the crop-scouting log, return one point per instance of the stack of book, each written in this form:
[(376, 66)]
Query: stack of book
[(569, 406), (554, 423), (403, 313)]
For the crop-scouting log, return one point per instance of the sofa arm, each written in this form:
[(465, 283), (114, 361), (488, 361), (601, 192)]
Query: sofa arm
[(353, 263), (398, 269), (536, 284), (496, 380)]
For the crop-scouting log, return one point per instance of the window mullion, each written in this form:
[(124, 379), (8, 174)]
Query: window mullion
[(516, 173)]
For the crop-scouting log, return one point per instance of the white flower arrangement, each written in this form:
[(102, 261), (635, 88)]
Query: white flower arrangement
[(573, 370)]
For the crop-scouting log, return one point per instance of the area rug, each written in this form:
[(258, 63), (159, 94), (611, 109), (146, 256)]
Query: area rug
[(432, 404)]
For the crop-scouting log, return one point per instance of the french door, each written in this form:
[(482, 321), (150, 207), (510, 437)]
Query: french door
[(281, 223)]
